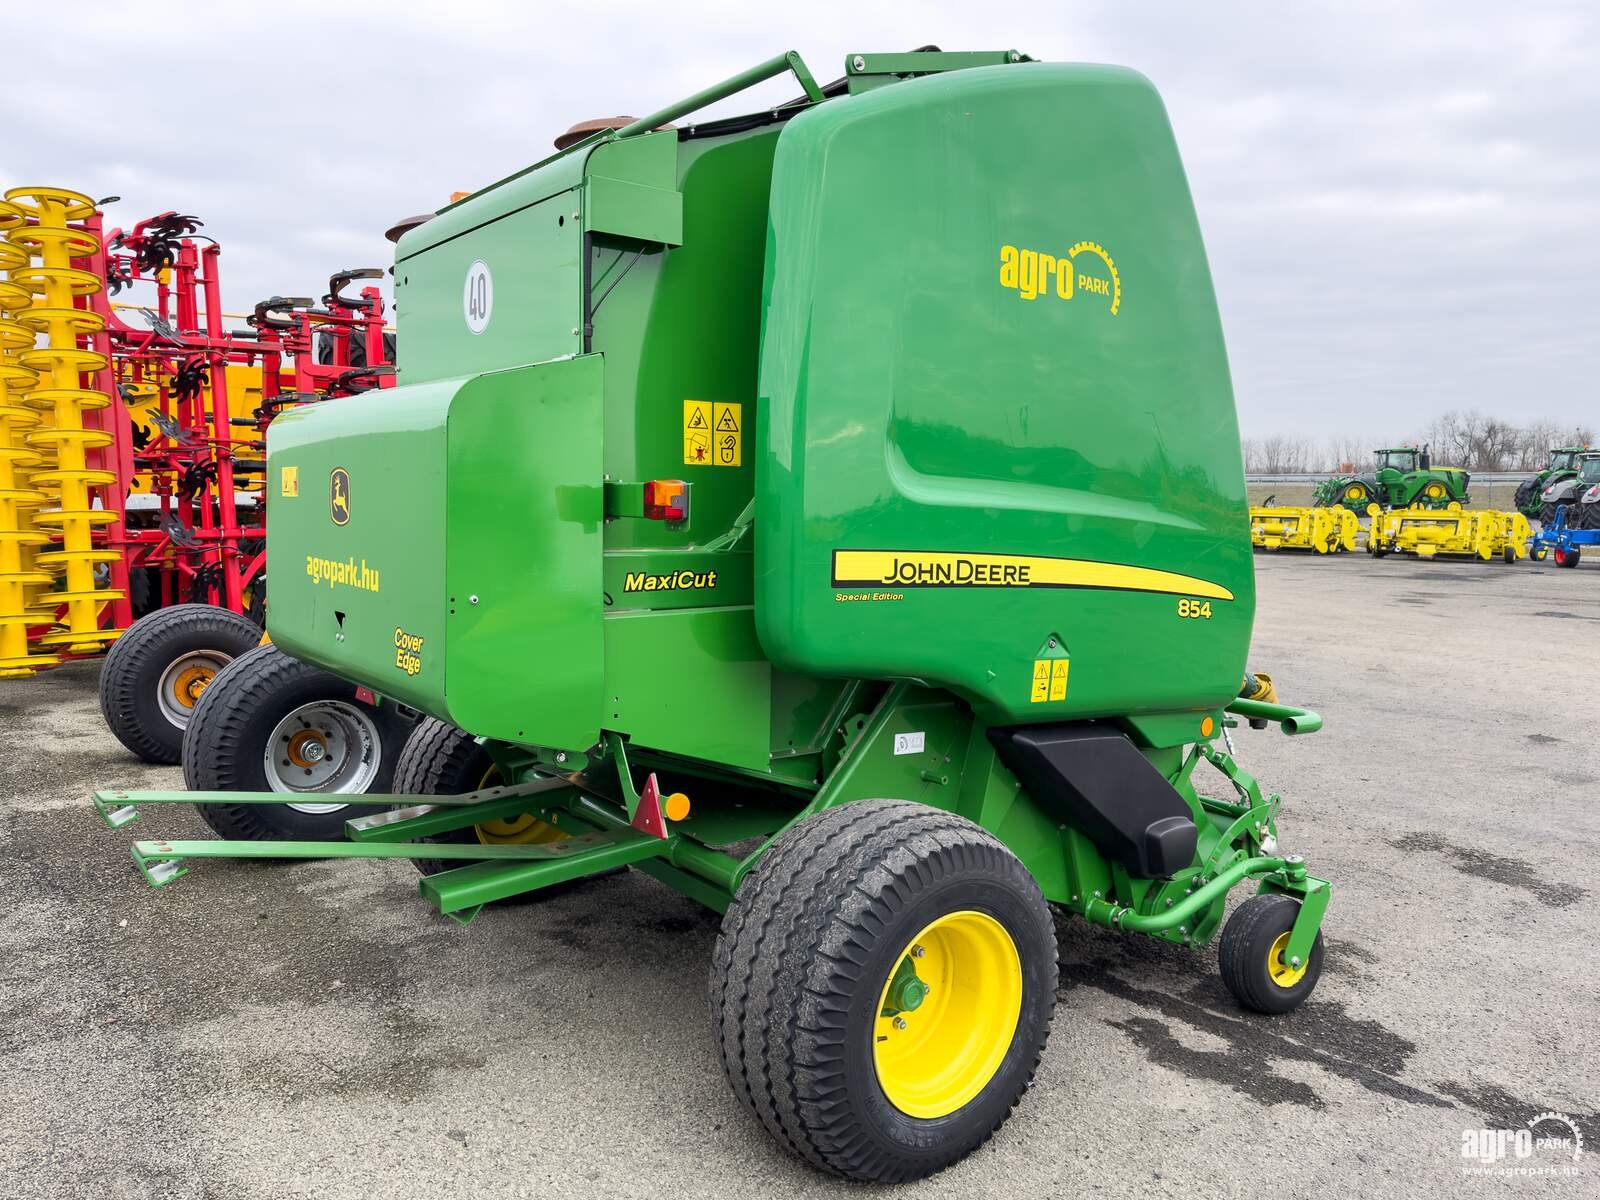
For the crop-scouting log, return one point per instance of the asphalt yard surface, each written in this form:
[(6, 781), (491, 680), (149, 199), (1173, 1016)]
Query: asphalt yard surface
[(315, 1030)]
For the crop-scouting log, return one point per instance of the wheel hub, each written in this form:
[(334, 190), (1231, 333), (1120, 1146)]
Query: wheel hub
[(329, 746), (1283, 974), (184, 680)]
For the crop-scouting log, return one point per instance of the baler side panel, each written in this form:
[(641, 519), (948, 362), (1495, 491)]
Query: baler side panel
[(523, 556), (345, 584), (534, 260), (926, 392)]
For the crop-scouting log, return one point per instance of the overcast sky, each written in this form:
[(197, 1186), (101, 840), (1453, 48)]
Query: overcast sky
[(1399, 200)]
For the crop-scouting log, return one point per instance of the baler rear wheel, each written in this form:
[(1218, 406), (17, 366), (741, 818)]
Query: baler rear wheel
[(1251, 956), (271, 723), (156, 672), (882, 988), (441, 760)]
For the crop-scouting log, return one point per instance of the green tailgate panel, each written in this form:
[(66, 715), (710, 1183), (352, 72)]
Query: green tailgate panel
[(498, 478), (999, 450)]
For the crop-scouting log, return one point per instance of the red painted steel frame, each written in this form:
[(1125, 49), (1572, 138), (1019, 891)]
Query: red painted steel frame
[(199, 546)]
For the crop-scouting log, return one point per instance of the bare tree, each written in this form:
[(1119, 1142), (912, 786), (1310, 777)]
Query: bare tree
[(1459, 439)]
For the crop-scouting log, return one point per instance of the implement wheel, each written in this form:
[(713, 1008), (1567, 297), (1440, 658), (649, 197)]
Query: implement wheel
[(155, 673), (441, 760), (1567, 558), (1251, 956), (271, 723), (882, 988)]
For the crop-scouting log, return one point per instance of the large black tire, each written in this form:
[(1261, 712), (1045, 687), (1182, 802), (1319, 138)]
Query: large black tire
[(265, 697), (1247, 961), (1547, 514), (441, 760), (155, 674), (1589, 515), (818, 928), (1526, 500)]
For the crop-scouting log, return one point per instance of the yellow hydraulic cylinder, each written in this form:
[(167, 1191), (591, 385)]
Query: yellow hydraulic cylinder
[(18, 537), (62, 402), (1450, 532), (1331, 530)]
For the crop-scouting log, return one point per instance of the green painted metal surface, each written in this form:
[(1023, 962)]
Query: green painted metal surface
[(980, 466), (440, 474), (975, 457)]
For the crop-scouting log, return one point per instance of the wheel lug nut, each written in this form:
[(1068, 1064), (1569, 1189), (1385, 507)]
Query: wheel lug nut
[(899, 1022), (917, 952)]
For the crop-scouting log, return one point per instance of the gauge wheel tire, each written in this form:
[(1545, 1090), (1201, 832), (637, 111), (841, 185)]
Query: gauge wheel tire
[(155, 674), (441, 760), (819, 935), (267, 698), (1567, 558), (1250, 956)]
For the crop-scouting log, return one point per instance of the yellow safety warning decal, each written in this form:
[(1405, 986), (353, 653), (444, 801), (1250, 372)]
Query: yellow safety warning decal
[(1049, 680), (289, 481), (946, 569), (697, 433), (713, 434)]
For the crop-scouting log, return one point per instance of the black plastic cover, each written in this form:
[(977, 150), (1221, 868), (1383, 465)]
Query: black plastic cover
[(1097, 780)]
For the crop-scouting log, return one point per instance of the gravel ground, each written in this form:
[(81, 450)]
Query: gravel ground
[(311, 1030)]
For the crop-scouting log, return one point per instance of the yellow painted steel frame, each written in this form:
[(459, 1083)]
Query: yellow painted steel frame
[(1451, 532), (62, 440), (1327, 530), (20, 577)]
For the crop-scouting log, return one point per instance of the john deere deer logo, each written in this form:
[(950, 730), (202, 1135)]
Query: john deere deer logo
[(339, 495)]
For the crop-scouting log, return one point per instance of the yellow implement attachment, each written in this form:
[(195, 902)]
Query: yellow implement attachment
[(1326, 530), (1454, 531)]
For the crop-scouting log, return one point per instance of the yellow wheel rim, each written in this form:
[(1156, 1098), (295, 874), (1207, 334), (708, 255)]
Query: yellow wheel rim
[(947, 1014), (1435, 491), (524, 829), (1357, 493), (1282, 973)]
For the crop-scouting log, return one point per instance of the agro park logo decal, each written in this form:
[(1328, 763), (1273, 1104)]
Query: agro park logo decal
[(1085, 270), (339, 496)]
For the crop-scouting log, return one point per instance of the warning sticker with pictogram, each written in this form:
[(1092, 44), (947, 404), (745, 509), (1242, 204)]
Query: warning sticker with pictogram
[(728, 434), (697, 433)]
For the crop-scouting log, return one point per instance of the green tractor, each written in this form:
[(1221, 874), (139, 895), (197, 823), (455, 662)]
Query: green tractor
[(1563, 466), (1404, 477), (1577, 493), (754, 512)]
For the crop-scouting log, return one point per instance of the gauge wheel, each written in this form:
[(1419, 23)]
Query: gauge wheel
[(882, 988), (271, 723), (1251, 956), (155, 674)]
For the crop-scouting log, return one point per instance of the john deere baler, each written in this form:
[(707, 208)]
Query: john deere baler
[(838, 514)]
